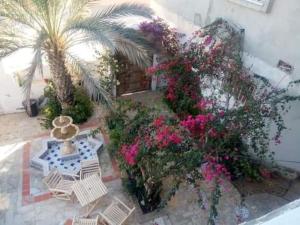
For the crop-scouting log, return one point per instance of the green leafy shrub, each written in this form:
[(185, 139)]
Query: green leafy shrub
[(53, 107), (80, 111), (107, 68), (82, 108)]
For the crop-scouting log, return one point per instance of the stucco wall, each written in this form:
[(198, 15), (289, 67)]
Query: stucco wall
[(268, 37)]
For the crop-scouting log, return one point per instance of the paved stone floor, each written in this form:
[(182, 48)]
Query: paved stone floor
[(260, 204), (24, 200)]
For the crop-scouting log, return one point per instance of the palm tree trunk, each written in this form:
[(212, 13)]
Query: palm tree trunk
[(60, 75)]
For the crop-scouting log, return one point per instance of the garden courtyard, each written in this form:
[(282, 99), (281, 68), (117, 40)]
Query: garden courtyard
[(122, 117)]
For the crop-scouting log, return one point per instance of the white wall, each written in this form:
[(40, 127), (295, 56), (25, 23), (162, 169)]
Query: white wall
[(11, 94), (268, 37), (286, 215)]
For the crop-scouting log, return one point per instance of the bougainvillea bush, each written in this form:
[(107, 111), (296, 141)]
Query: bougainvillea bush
[(165, 38), (226, 108), (151, 147), (220, 129)]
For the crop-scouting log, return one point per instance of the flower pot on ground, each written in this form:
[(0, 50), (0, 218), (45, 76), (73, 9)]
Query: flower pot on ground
[(32, 109)]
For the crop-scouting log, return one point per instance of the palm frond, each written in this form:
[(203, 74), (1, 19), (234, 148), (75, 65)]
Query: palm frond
[(92, 30), (90, 83), (19, 12), (38, 46), (30, 72), (125, 9), (11, 42), (132, 45), (76, 10), (37, 63), (113, 36)]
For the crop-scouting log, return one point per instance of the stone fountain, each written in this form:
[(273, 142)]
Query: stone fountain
[(66, 148), (65, 131)]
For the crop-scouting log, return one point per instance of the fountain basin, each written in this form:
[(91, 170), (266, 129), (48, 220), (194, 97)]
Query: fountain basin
[(70, 132), (50, 156), (62, 121)]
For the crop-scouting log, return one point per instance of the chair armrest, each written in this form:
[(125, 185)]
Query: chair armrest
[(58, 190)]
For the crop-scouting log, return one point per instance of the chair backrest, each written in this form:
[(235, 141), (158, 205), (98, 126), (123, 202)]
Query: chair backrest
[(52, 179), (89, 163), (84, 221), (117, 213)]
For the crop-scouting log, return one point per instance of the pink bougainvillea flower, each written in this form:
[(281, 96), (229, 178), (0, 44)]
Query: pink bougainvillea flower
[(174, 138), (159, 121), (212, 170), (199, 125), (213, 133), (151, 70), (164, 137), (265, 173), (130, 153), (221, 113), (207, 40), (171, 96)]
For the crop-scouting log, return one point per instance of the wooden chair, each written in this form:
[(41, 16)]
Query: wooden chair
[(116, 213), (89, 167), (84, 221), (60, 185)]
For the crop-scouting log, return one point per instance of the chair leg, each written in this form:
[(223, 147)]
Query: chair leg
[(73, 198), (91, 207)]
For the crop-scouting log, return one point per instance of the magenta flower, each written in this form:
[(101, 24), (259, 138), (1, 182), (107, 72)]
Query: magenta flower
[(130, 153)]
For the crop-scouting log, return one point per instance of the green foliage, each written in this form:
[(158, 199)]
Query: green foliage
[(52, 109), (82, 108), (80, 111), (122, 127), (107, 68), (213, 213)]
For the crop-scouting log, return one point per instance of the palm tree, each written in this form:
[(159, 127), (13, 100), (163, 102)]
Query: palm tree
[(52, 27)]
